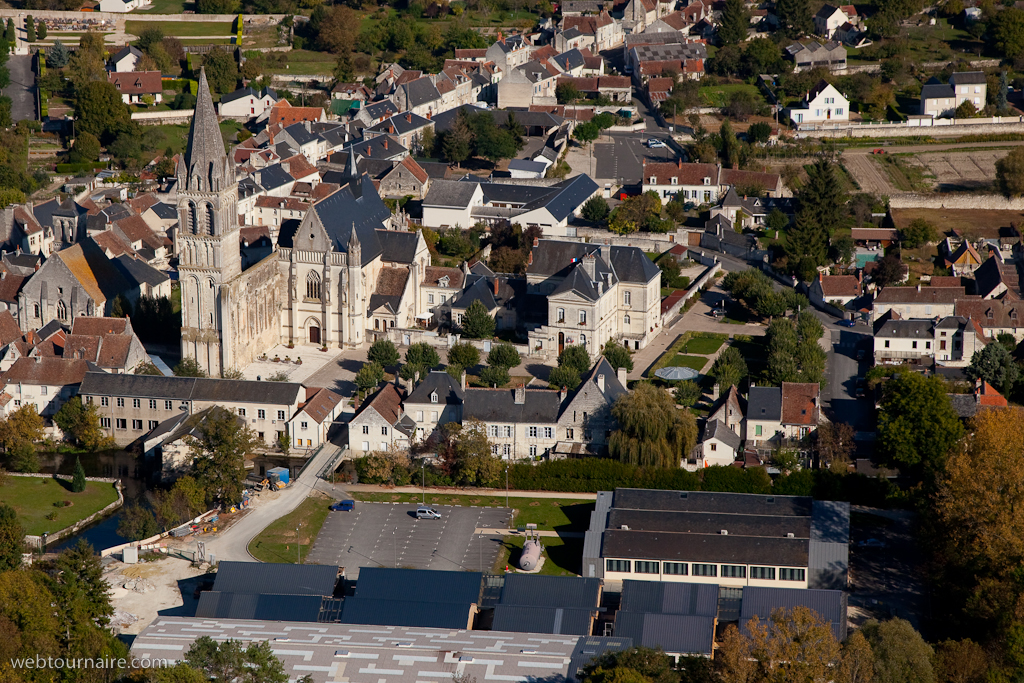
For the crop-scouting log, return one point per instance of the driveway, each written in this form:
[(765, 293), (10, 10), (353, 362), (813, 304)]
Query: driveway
[(843, 371), (22, 88), (621, 157), (233, 542)]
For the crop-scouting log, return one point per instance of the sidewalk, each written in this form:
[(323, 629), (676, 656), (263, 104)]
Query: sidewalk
[(340, 489)]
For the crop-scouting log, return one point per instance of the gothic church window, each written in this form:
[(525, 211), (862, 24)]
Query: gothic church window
[(210, 220), (192, 222), (62, 311), (313, 285)]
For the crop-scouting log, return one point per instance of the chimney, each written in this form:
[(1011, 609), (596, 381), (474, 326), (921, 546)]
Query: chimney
[(715, 392), (563, 393), (462, 380), (408, 117), (621, 376), (520, 397), (429, 115), (643, 162), (496, 283), (536, 241), (679, 162), (369, 150), (600, 382), (385, 143), (529, 259), (589, 265)]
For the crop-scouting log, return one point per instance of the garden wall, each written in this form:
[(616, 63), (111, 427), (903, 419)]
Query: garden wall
[(955, 201), (407, 337), (254, 19), (36, 542), (982, 126), (157, 117)]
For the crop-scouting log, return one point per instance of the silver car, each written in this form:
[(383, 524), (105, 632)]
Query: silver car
[(424, 512)]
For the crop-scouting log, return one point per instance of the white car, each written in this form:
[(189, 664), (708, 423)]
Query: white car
[(655, 143)]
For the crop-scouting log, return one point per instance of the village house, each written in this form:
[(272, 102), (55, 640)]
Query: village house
[(823, 103), (138, 87)]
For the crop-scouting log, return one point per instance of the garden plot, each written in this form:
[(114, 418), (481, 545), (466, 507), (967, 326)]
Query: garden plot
[(963, 171)]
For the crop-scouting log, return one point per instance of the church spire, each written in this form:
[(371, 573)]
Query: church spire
[(205, 157), (351, 170)]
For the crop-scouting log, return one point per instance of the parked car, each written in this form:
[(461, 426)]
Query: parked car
[(860, 354), (655, 143), (872, 543), (847, 323), (860, 387), (344, 506), (716, 312), (878, 151), (424, 512)]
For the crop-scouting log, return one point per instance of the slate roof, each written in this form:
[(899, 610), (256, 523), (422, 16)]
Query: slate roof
[(246, 92), (222, 605), (716, 429), (968, 78), (555, 258), (190, 388), (124, 52), (275, 579), (498, 405), (936, 89), (401, 124), (589, 388), (391, 284), (906, 329), (381, 110), (450, 193), (923, 295), (421, 91), (355, 206), (397, 246), (569, 60), (449, 391), (136, 271), (764, 404)]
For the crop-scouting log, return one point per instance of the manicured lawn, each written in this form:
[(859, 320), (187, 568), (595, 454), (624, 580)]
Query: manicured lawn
[(276, 543), (175, 136), (704, 345), (33, 499), (305, 63), (563, 556), (549, 514), (718, 95), (167, 7), (188, 29), (681, 360)]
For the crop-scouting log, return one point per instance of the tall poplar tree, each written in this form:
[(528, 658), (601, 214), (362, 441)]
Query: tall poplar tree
[(735, 22)]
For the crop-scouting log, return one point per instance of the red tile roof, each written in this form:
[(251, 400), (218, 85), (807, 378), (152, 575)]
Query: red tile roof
[(48, 370), (298, 167), (988, 396), (416, 170), (800, 403), (387, 403), (839, 285), (137, 82), (285, 114), (685, 174), (323, 402)]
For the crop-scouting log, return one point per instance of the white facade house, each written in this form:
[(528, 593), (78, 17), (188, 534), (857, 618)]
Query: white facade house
[(125, 60), (122, 5), (823, 103), (246, 103), (828, 19)]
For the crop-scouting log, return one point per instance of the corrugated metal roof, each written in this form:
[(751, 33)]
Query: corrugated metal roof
[(829, 604), (551, 591), (593, 565), (828, 565), (532, 619), (589, 649), (218, 605), (705, 501), (657, 597), (655, 545), (676, 634), (418, 585), (357, 610), (831, 521), (275, 579)]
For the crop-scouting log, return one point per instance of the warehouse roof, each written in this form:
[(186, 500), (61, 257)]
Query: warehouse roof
[(726, 549), (662, 597), (221, 605), (358, 610), (761, 602), (551, 591), (190, 388), (275, 578), (673, 633), (706, 501), (535, 619), (710, 523), (418, 585)]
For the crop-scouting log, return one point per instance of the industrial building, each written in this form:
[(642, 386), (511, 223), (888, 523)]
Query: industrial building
[(727, 539), (414, 597), (273, 592), (560, 605), (387, 654)]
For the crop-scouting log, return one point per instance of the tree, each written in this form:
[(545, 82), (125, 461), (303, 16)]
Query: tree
[(901, 654), (336, 33), (477, 322), (218, 454), (221, 70), (78, 480), (30, 29), (458, 140), (687, 393), (889, 270), (822, 209), (217, 6), (729, 369), (100, 111), (188, 367), (651, 665), (229, 661), (137, 523), (792, 645), (730, 145), (1008, 32), (12, 538), (652, 432), (18, 435), (463, 354), (564, 376), (121, 308), (81, 595), (795, 18), (576, 358), (835, 442), (595, 209), (919, 233), (369, 376), (422, 355), (917, 426), (1010, 169), (495, 376), (58, 55), (760, 132), (383, 353), (81, 422), (735, 22), (183, 502), (856, 662), (965, 110), (1002, 104), (567, 93), (586, 133), (41, 29), (960, 661), (995, 365), (465, 453), (86, 148), (504, 356), (618, 356)]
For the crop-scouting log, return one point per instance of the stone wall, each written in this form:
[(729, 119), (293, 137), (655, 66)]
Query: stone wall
[(648, 241), (955, 201), (152, 118), (36, 542), (251, 19), (407, 337), (997, 125)]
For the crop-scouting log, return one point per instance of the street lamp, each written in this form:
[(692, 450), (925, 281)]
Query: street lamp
[(423, 481), (298, 542)]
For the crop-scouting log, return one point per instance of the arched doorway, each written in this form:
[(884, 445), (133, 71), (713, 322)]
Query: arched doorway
[(561, 342), (313, 331)]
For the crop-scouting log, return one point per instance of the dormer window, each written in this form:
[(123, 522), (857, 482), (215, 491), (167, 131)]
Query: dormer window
[(675, 180), (433, 397), (654, 180), (707, 181)]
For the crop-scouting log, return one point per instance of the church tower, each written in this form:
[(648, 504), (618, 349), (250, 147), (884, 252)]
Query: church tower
[(206, 241)]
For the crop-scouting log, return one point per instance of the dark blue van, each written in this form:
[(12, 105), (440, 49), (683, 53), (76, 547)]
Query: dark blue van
[(344, 506)]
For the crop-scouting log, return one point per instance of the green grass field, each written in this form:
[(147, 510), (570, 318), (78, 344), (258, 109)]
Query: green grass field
[(276, 543), (718, 95), (305, 63), (704, 345), (682, 360), (549, 514), (167, 7), (563, 556), (190, 29), (175, 136), (33, 499)]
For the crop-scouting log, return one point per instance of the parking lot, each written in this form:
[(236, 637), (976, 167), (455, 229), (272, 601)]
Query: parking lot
[(885, 567), (386, 535), (621, 157)]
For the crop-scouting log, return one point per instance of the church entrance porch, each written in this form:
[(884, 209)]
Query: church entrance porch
[(314, 334)]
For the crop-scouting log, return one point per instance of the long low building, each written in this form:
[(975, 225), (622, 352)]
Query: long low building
[(728, 539), (387, 654)]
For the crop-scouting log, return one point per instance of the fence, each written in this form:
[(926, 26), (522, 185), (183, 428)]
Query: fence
[(914, 126), (695, 287), (955, 201), (156, 117), (151, 541), (253, 20), (37, 541)]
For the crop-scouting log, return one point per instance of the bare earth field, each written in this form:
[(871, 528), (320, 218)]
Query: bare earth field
[(985, 223), (173, 581), (965, 171)]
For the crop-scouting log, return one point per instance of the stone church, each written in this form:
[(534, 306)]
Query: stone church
[(336, 275)]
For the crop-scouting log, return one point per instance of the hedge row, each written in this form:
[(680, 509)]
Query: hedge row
[(81, 167)]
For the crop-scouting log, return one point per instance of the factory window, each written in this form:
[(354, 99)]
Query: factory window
[(136, 403), (674, 568), (120, 403), (791, 574), (734, 571), (766, 573), (168, 405), (104, 401), (705, 570), (616, 566), (644, 567)]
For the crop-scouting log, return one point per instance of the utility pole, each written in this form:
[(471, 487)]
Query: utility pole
[(298, 542), (423, 481), (506, 483), (394, 535)]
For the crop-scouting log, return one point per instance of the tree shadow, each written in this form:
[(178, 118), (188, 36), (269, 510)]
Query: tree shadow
[(539, 370)]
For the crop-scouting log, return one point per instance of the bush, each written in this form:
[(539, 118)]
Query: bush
[(495, 376)]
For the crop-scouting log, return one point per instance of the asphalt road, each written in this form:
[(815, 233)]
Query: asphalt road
[(843, 371), (22, 88), (386, 535), (885, 581), (622, 158)]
